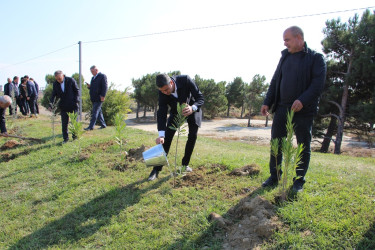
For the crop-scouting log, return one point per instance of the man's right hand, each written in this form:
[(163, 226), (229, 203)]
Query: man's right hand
[(88, 85), (264, 110), (159, 140)]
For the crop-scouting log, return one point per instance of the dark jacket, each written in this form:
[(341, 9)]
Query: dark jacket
[(98, 87), (31, 90), (22, 91), (312, 77), (36, 88), (187, 92), (9, 88), (69, 99), (2, 121)]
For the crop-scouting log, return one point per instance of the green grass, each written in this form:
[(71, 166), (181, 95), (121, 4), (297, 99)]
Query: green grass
[(51, 199)]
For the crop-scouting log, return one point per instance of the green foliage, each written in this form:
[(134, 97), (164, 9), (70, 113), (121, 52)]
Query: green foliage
[(47, 93), (50, 79), (215, 101), (120, 126), (235, 92), (76, 128), (116, 102)]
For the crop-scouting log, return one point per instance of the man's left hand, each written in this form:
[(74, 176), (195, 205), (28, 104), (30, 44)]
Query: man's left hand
[(297, 105), (188, 110), (102, 98)]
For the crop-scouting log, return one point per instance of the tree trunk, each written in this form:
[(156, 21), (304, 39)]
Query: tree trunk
[(155, 111), (344, 100), (266, 125), (138, 108), (242, 110), (248, 121), (144, 111), (228, 110), (328, 135)]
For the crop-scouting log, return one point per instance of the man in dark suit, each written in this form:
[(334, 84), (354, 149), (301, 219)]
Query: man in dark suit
[(66, 89), (172, 90), (37, 95), (22, 97), (5, 101), (296, 85), (98, 89), (31, 95), (11, 90)]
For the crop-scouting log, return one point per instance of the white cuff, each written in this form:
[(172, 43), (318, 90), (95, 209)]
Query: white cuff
[(194, 108), (161, 133)]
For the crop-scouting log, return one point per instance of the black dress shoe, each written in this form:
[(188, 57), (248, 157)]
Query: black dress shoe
[(87, 129), (270, 182), (153, 175), (298, 185), (102, 127)]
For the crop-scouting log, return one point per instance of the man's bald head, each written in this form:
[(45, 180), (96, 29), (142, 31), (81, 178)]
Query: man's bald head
[(5, 101)]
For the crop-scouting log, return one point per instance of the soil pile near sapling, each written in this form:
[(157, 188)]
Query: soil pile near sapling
[(251, 223), (98, 147), (252, 169), (135, 154), (10, 144), (200, 177)]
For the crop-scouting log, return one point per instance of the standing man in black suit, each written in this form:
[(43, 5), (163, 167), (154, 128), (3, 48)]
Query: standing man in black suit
[(37, 95), (11, 90), (31, 95), (66, 89), (172, 90), (296, 85), (98, 89)]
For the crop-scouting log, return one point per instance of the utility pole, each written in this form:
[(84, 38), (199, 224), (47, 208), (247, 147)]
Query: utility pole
[(80, 80)]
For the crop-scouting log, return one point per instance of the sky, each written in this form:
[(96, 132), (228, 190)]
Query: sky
[(34, 29)]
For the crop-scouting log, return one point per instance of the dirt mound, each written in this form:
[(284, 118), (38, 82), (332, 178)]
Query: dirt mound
[(252, 169), (255, 222), (135, 154), (98, 146), (10, 144)]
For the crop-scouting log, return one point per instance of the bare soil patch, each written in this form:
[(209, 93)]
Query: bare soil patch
[(252, 222), (10, 144), (252, 169), (135, 154)]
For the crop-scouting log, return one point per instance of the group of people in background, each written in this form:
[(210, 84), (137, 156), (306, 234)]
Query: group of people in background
[(24, 95)]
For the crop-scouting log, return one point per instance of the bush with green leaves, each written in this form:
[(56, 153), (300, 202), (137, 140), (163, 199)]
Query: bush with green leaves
[(116, 102), (76, 128)]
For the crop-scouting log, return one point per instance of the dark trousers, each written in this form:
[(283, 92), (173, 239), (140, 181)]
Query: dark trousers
[(65, 122), (36, 106), (302, 130), (97, 114), (19, 103), (189, 147), (11, 109), (31, 103)]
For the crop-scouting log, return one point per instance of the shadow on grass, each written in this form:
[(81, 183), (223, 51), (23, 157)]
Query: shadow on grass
[(212, 237), (369, 239), (87, 219), (7, 156)]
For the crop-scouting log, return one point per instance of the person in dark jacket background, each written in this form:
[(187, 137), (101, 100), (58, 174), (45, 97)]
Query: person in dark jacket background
[(37, 96), (98, 89), (296, 85), (66, 90), (31, 95), (23, 96), (11, 90)]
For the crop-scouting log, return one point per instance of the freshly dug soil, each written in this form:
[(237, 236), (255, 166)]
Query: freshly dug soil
[(10, 144), (135, 154), (252, 169), (253, 221)]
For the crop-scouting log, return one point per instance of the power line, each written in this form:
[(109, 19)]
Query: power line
[(43, 55), (225, 25), (192, 29)]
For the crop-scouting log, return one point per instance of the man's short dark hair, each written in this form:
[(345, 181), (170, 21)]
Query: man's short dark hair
[(162, 80), (16, 77), (58, 72)]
